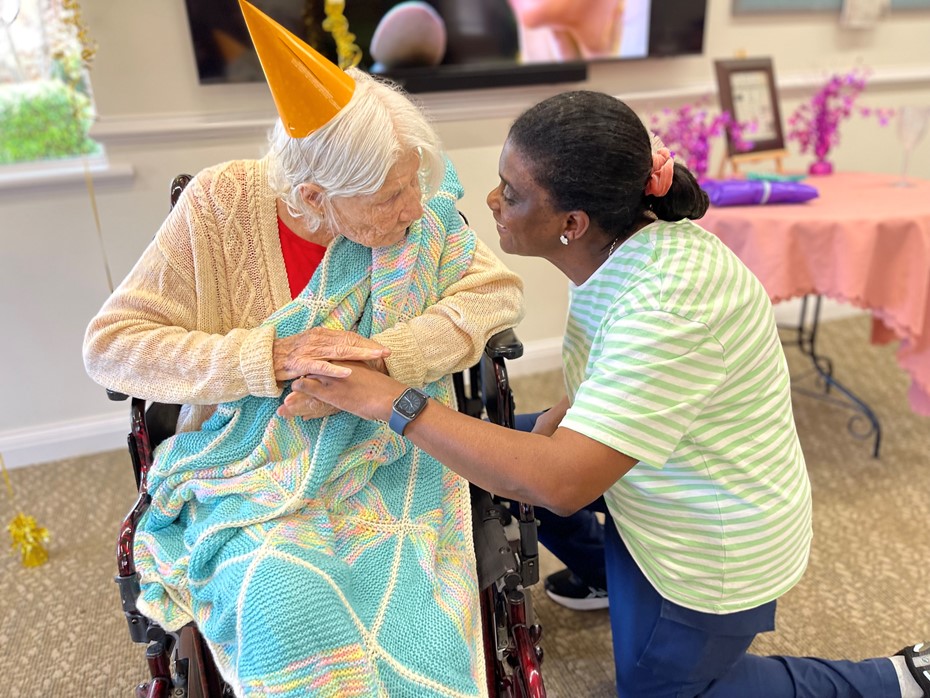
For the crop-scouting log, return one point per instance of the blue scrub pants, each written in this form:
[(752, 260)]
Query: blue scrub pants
[(663, 650)]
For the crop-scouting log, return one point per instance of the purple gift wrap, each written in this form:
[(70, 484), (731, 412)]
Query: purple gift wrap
[(746, 192)]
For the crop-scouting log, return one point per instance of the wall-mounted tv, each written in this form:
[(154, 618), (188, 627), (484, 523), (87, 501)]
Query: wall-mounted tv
[(437, 45)]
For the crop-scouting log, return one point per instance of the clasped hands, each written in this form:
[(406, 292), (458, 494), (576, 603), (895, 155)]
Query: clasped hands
[(322, 353)]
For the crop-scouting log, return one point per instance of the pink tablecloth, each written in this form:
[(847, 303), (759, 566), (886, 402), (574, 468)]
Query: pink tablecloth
[(862, 241)]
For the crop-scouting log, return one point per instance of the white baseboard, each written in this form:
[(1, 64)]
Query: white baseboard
[(539, 356), (64, 439), (81, 437), (789, 312), (88, 435)]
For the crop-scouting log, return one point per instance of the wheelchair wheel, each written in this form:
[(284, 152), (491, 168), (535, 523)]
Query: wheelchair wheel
[(512, 650)]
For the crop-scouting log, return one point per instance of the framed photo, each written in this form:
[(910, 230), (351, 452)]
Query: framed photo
[(746, 89)]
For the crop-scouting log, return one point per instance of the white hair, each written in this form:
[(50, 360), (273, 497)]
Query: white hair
[(352, 154)]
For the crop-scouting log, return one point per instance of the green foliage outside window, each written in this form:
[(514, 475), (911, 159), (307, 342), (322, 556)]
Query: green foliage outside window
[(46, 105), (42, 120)]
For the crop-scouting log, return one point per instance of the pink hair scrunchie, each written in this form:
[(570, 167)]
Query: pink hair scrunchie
[(663, 168)]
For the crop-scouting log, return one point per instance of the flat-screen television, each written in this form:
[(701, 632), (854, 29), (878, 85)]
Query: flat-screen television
[(437, 45)]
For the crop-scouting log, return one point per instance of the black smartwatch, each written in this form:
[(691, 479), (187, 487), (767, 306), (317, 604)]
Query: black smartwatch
[(406, 408)]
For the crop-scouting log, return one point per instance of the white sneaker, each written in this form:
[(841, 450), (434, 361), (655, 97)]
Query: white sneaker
[(566, 589)]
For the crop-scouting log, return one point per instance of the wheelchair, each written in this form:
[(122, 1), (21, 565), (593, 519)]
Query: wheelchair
[(180, 664)]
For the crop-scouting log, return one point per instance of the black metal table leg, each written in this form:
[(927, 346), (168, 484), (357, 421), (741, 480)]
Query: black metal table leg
[(864, 423)]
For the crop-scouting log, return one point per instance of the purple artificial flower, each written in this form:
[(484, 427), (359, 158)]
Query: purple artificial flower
[(687, 132), (815, 124)]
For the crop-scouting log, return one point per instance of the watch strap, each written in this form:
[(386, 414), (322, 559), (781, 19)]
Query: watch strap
[(398, 420)]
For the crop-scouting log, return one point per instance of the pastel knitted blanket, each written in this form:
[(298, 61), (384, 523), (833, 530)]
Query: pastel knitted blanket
[(325, 557)]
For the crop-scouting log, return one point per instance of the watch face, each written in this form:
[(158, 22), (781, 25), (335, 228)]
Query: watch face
[(410, 403)]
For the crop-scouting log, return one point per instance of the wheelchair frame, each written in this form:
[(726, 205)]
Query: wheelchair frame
[(506, 567)]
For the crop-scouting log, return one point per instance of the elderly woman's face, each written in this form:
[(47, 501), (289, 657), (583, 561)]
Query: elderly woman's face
[(382, 218)]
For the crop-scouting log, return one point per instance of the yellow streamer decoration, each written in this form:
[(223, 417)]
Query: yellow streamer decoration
[(73, 16), (336, 24), (27, 535)]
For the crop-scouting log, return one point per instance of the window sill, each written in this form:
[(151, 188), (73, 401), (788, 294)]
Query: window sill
[(65, 173)]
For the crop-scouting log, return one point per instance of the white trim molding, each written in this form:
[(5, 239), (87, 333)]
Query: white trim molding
[(64, 439), (106, 432), (539, 356), (453, 106), (65, 173)]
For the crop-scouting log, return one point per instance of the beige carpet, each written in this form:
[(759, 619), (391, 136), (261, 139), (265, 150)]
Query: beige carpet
[(62, 633)]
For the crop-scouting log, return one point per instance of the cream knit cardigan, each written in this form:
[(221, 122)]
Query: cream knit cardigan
[(183, 326)]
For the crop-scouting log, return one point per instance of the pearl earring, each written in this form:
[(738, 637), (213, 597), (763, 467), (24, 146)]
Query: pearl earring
[(563, 239)]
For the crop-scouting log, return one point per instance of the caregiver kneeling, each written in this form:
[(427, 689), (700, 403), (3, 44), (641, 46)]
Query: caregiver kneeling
[(678, 414)]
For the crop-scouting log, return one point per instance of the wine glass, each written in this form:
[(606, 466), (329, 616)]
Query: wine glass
[(912, 126)]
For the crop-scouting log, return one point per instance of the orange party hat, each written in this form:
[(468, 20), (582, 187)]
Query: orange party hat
[(308, 89)]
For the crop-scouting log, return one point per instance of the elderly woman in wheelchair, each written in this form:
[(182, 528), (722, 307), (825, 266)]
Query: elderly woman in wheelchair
[(305, 548)]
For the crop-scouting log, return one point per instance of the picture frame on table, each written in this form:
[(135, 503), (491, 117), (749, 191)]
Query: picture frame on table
[(746, 90)]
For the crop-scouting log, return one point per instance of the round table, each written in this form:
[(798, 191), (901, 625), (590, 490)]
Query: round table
[(863, 241)]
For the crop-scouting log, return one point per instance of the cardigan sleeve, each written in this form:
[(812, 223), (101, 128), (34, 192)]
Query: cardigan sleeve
[(149, 339), (450, 335)]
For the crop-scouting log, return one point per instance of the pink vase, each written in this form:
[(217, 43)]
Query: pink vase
[(820, 167)]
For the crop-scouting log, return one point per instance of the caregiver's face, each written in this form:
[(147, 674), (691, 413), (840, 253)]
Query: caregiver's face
[(382, 218), (526, 221)]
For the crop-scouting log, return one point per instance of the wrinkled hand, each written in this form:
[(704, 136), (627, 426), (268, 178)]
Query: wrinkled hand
[(304, 406), (300, 403), (364, 392), (312, 351), (549, 421)]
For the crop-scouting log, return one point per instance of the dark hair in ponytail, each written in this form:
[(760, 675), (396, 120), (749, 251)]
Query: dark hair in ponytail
[(685, 198), (591, 152)]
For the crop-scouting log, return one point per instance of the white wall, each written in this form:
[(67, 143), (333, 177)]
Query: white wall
[(155, 121)]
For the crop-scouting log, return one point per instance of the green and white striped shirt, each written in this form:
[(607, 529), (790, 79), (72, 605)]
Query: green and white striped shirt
[(672, 357)]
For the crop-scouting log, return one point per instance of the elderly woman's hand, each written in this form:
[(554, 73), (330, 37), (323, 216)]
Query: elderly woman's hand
[(300, 403), (311, 351), (304, 406)]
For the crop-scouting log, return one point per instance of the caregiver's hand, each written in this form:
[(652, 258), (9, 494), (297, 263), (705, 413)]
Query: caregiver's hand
[(311, 351), (364, 392), (549, 421), (301, 404)]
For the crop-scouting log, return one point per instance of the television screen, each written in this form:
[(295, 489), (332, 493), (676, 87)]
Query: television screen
[(439, 45)]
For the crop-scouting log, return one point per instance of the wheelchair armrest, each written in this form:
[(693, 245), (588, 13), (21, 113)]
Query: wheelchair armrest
[(505, 345), (496, 559), (141, 629), (113, 395)]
